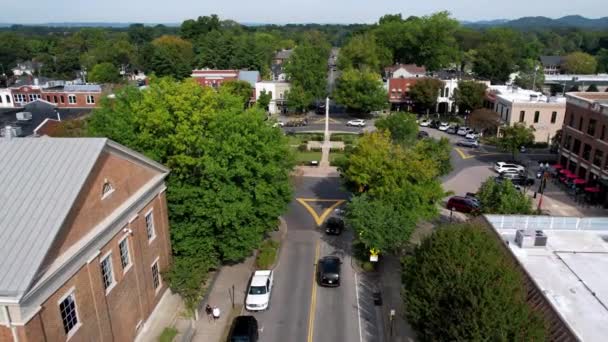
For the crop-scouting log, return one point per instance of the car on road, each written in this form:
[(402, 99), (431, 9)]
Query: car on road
[(296, 123), (444, 126), (468, 143), (435, 124), (425, 123), (244, 329), (472, 135), (451, 130), (463, 131), (501, 167), (260, 288), (279, 124), (356, 123), (463, 204), (334, 226), (423, 134), (328, 271), (517, 179)]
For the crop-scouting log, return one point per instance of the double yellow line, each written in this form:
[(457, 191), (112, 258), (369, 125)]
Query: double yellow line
[(313, 298)]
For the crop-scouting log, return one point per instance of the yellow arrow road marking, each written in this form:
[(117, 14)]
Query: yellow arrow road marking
[(319, 219), (469, 156), (313, 298)]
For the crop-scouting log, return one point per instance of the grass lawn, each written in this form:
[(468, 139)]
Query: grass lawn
[(267, 254), (333, 156), (348, 139), (307, 156), (168, 334)]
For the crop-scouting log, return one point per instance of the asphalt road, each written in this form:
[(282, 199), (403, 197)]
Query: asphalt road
[(299, 309)]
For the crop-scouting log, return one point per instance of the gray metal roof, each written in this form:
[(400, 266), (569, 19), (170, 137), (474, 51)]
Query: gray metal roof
[(250, 76), (551, 60), (40, 179), (82, 87)]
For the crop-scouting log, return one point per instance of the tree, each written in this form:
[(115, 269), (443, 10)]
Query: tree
[(172, 56), (361, 91), (437, 47), (240, 89), (502, 198), (593, 88), (191, 29), (485, 120), (602, 60), (459, 285), (469, 95), (531, 75), (402, 127), (424, 93), (264, 100), (298, 99), (494, 61), (556, 89), (513, 137), (229, 178), (574, 88), (579, 63), (307, 69), (438, 151), (104, 73), (362, 51)]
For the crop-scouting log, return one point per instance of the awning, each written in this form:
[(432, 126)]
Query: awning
[(557, 166), (579, 181), (593, 189), (571, 175), (565, 172)]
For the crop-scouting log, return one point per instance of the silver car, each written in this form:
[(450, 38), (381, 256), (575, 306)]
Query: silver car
[(468, 143)]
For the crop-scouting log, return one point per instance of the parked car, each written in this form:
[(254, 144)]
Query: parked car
[(472, 135), (334, 226), (463, 131), (260, 288), (444, 126), (451, 130), (244, 329), (502, 166), (356, 123), (435, 124), (328, 271), (522, 149), (463, 204), (517, 179), (468, 143), (425, 123), (423, 134), (278, 124), (296, 123)]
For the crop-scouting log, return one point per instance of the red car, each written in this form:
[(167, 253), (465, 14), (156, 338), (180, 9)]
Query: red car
[(463, 204)]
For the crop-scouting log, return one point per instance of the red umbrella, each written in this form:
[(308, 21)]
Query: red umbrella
[(593, 189), (564, 171), (579, 181), (557, 166), (571, 175)]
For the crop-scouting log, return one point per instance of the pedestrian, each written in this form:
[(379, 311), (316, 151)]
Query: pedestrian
[(216, 313), (209, 312)]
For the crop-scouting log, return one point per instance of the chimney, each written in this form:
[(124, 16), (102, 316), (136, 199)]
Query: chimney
[(36, 81), (8, 132)]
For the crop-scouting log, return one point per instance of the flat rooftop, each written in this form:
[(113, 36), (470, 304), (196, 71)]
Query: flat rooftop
[(570, 270), (519, 95)]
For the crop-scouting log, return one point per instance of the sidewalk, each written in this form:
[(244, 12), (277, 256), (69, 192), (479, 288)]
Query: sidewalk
[(556, 202), (390, 286), (316, 171), (229, 276)]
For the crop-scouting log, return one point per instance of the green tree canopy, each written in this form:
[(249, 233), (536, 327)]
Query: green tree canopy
[(515, 136), (402, 127), (531, 75), (307, 69), (229, 176), (502, 198), (104, 73), (264, 100), (361, 52), (424, 93), (436, 150), (240, 89), (459, 285), (361, 91), (172, 56), (469, 95), (298, 99), (579, 63), (593, 88)]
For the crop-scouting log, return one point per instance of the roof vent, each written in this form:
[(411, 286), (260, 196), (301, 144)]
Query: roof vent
[(107, 189), (24, 116), (530, 238)]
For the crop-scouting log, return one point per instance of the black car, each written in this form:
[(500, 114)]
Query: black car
[(435, 124), (244, 329), (334, 226), (423, 134), (328, 271), (518, 179)]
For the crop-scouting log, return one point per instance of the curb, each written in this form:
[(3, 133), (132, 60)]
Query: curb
[(283, 231)]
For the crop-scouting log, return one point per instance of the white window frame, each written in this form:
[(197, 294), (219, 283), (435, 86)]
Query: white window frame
[(151, 236), (70, 292), (70, 97), (125, 269), (107, 256), (109, 192), (90, 99), (160, 279)]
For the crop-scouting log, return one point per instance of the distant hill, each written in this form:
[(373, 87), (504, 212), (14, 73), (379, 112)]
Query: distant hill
[(85, 24), (574, 21)]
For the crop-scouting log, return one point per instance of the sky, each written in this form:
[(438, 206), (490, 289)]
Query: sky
[(284, 11)]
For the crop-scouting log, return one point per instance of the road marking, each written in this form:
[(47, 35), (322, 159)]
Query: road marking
[(319, 219), (313, 298), (319, 121), (469, 156), (358, 307)]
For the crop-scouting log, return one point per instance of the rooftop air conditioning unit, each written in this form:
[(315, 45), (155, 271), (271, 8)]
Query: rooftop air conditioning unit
[(530, 238), (24, 116)]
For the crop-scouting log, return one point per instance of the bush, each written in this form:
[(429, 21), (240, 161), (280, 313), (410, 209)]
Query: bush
[(316, 149), (168, 334), (367, 266), (267, 254), (459, 285), (337, 138), (303, 147)]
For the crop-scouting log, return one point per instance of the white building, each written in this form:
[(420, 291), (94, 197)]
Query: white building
[(404, 71), (6, 99), (565, 259), (278, 90)]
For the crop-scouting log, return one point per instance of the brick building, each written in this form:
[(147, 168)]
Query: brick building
[(63, 96), (399, 92), (584, 147), (214, 78), (83, 240)]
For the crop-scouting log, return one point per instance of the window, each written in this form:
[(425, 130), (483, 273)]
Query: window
[(90, 99), (571, 122), (106, 271), (522, 116), (69, 316), (19, 98), (447, 92), (603, 133), (8, 99), (62, 99), (34, 97), (107, 189), (567, 142), (150, 225), (580, 124), (0, 99), (125, 259), (577, 146), (553, 117), (536, 116), (155, 275), (55, 98), (48, 98), (71, 99), (591, 127), (597, 158), (587, 152)]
